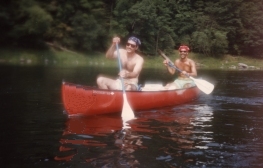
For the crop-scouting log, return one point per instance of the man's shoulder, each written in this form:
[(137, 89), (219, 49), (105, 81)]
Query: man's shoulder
[(191, 61), (139, 57)]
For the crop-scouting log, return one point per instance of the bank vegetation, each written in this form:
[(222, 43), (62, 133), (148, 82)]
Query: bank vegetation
[(62, 58), (211, 28)]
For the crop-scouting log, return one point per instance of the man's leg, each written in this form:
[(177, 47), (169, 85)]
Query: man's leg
[(131, 87), (170, 86), (106, 83), (187, 85)]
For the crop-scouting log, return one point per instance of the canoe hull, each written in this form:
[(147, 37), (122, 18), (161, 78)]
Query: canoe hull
[(84, 100)]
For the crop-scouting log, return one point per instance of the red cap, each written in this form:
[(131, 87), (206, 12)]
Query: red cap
[(184, 47)]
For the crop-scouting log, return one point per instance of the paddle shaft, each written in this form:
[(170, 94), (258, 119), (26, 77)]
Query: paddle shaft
[(120, 67), (170, 63), (127, 112)]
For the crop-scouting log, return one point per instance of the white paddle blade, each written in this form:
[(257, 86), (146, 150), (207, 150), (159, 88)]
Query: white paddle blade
[(203, 85), (127, 112)]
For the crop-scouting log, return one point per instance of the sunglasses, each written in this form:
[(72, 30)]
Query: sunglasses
[(132, 45)]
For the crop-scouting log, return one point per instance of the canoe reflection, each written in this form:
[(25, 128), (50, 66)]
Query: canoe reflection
[(166, 134), (99, 140)]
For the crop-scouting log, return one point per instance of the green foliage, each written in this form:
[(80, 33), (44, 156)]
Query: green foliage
[(78, 24), (37, 22), (182, 21), (251, 14), (149, 20), (31, 57), (25, 21), (210, 27), (209, 42)]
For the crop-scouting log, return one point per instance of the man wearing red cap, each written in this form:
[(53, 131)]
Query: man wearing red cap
[(188, 69)]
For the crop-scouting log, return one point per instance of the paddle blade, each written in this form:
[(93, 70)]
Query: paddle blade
[(127, 112), (203, 85)]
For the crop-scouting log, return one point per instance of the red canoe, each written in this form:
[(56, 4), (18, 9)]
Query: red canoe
[(85, 100)]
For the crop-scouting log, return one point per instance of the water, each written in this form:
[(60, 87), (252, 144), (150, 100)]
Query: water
[(223, 129)]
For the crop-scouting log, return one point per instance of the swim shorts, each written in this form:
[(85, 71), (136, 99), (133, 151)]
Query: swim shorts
[(181, 82), (126, 82)]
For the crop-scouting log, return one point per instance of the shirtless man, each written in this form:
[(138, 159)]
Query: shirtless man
[(188, 69), (132, 64)]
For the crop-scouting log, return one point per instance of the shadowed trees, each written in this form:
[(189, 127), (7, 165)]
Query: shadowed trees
[(209, 27)]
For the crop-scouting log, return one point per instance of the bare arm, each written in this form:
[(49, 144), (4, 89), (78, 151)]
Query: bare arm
[(111, 51), (193, 69), (170, 69), (137, 69)]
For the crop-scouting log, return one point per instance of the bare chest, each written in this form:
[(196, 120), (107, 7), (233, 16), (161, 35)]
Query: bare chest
[(185, 66), (128, 63)]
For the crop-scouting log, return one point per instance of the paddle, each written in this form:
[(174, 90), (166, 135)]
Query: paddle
[(127, 112), (203, 85)]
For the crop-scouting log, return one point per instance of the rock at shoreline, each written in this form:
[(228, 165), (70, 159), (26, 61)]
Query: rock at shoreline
[(242, 66)]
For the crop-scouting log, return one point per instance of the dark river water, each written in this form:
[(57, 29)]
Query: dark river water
[(223, 129)]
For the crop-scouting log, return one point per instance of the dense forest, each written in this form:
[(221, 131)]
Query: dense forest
[(209, 27)]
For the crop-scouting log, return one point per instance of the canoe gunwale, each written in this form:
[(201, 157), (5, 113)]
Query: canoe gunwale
[(79, 100), (127, 91)]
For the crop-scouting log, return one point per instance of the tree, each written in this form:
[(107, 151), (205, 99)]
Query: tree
[(149, 20), (78, 24), (209, 42), (25, 22), (251, 39), (210, 37), (210, 27), (183, 21)]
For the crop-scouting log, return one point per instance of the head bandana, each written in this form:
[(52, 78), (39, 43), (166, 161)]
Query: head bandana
[(136, 40), (184, 47)]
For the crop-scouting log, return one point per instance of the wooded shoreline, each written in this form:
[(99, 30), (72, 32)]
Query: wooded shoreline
[(209, 27), (54, 57)]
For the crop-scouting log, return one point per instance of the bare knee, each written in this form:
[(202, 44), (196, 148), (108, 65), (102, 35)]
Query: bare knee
[(187, 85), (106, 82), (130, 87), (100, 80), (171, 86)]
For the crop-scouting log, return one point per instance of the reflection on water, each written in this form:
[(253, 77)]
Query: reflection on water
[(175, 132), (183, 136), (223, 129), (99, 141)]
